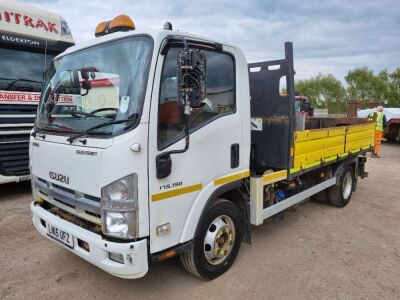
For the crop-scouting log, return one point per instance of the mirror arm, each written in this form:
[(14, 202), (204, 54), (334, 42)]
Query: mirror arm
[(187, 139), (163, 160)]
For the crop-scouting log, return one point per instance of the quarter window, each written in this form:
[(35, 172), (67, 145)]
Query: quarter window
[(219, 101)]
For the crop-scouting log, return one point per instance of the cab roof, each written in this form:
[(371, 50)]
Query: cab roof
[(158, 36)]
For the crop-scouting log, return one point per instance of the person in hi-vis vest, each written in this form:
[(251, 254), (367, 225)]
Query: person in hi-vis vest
[(379, 118)]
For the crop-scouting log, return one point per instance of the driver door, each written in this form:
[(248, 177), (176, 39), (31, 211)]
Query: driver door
[(216, 135)]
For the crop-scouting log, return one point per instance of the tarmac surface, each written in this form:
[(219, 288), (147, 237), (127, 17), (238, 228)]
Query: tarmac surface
[(316, 252)]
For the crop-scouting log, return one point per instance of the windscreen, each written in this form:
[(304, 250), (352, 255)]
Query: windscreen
[(22, 70), (94, 86)]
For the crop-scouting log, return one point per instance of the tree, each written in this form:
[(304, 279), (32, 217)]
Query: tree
[(363, 84), (324, 91), (393, 90)]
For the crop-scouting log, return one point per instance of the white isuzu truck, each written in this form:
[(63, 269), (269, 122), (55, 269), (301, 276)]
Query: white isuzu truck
[(29, 40), (172, 144)]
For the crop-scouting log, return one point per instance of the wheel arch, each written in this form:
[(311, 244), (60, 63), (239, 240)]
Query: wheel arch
[(229, 191), (338, 168)]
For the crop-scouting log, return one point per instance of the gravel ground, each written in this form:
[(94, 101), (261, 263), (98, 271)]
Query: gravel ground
[(316, 252)]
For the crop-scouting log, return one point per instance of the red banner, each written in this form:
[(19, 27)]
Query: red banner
[(19, 97), (12, 97)]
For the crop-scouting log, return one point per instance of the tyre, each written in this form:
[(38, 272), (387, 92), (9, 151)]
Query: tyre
[(217, 241), (340, 195)]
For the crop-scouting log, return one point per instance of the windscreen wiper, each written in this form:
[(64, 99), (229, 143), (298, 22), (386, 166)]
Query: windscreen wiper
[(37, 129), (14, 81), (91, 129)]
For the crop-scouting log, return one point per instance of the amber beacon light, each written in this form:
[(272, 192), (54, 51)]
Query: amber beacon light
[(119, 23)]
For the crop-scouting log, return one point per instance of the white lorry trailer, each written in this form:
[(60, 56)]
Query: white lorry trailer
[(29, 40), (174, 145)]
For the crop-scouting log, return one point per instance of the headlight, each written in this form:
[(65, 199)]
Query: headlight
[(119, 208)]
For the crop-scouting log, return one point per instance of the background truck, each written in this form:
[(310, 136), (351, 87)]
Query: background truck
[(29, 40), (392, 131), (200, 148), (392, 114)]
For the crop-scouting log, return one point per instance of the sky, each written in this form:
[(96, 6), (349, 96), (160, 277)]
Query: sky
[(328, 36)]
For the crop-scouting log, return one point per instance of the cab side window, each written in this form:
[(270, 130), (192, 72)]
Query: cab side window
[(219, 101)]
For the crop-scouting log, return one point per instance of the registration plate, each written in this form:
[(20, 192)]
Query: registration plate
[(24, 178), (60, 235)]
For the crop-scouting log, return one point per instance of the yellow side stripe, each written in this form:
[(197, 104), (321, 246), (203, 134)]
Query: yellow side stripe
[(313, 164), (295, 170), (274, 177), (231, 178), (177, 192), (328, 159), (355, 150)]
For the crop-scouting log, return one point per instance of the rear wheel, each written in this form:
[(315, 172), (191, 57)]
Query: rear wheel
[(217, 242), (340, 195)]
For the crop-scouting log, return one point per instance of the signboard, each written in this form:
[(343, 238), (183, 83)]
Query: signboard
[(7, 38), (13, 97), (15, 20), (26, 25)]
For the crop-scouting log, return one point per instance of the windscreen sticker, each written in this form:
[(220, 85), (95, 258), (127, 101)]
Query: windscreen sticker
[(123, 107)]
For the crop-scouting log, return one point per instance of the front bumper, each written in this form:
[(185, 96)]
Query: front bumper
[(7, 179), (135, 254)]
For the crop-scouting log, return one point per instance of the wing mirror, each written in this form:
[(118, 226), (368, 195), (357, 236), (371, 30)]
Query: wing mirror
[(191, 77)]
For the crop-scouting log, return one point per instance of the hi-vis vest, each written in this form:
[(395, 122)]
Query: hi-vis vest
[(377, 116)]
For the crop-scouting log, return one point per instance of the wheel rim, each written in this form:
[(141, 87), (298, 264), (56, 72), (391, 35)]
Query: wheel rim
[(219, 240), (347, 185)]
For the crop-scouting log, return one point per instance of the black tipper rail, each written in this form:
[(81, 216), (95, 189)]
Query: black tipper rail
[(270, 146), (16, 122)]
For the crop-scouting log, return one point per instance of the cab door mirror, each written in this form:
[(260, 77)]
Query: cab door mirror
[(191, 77)]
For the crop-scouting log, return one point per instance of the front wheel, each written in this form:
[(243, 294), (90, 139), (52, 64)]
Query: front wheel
[(217, 241)]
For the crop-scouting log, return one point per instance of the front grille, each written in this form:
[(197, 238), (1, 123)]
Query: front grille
[(14, 155), (16, 118), (96, 228), (81, 205), (16, 122)]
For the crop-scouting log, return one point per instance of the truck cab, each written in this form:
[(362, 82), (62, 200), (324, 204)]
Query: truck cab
[(133, 77)]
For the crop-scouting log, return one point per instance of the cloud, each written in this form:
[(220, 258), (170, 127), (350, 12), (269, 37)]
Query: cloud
[(329, 36)]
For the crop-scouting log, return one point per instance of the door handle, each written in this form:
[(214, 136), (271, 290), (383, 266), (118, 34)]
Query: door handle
[(234, 156)]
